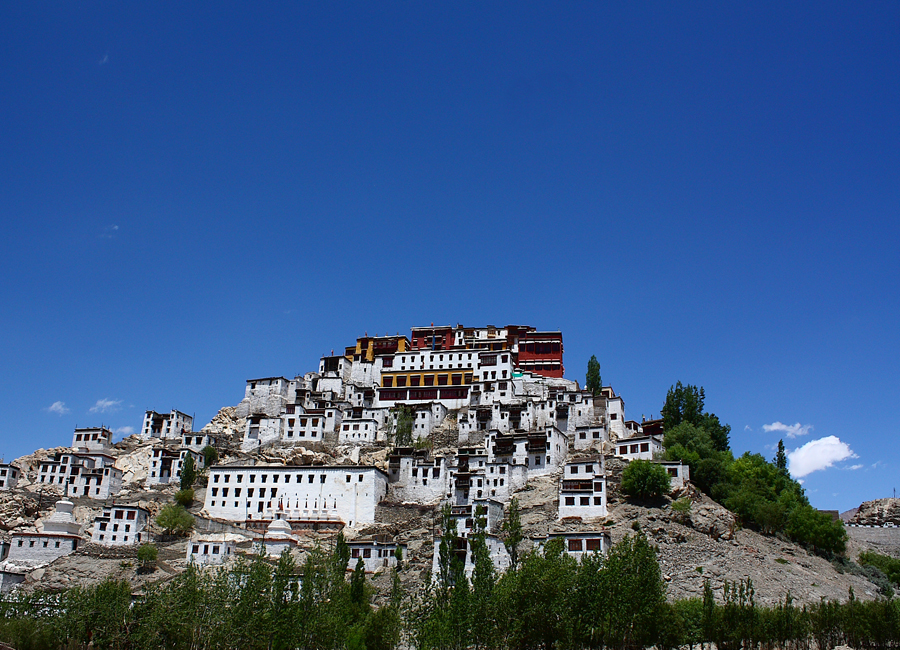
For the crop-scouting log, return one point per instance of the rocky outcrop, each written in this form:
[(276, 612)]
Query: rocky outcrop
[(879, 512)]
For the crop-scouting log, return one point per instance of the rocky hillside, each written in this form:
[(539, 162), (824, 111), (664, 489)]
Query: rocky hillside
[(705, 544)]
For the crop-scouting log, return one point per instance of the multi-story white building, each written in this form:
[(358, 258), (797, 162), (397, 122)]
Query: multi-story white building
[(9, 476), (266, 396), (540, 451), (342, 493), (93, 439), (358, 431), (88, 474), (166, 464), (121, 526), (210, 549), (198, 441), (582, 489), (378, 552), (60, 535), (643, 448), (167, 426), (579, 543), (415, 477)]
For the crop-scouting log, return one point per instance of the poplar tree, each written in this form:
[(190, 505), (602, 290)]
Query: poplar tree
[(592, 381)]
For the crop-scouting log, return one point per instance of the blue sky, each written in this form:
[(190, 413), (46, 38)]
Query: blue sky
[(196, 195)]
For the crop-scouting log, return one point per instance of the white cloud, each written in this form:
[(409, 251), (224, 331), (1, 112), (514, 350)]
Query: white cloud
[(109, 232), (105, 59), (818, 454), (790, 430), (59, 408), (854, 467), (747, 427), (124, 431), (106, 406)]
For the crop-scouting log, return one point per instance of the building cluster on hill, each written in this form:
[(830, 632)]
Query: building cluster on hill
[(495, 396)]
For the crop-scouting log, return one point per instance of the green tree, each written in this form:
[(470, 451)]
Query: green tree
[(403, 428), (184, 497), (210, 456), (147, 554), (816, 530), (633, 586), (781, 457), (188, 472), (644, 479), (511, 532), (174, 519), (592, 381), (685, 404)]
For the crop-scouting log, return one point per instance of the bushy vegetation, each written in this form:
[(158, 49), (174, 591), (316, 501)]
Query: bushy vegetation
[(550, 601), (188, 472), (762, 494), (147, 554), (210, 456), (184, 497), (645, 480), (174, 519)]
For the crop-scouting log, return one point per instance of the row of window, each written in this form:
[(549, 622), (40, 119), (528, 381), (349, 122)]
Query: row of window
[(47, 543), (634, 449), (287, 478), (584, 501)]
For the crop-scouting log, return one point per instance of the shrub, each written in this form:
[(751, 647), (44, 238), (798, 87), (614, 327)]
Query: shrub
[(184, 497), (681, 509), (147, 554), (174, 519), (210, 456), (644, 480)]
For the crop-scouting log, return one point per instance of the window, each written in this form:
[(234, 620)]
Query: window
[(645, 446), (594, 544), (367, 552), (585, 501), (570, 501), (575, 544)]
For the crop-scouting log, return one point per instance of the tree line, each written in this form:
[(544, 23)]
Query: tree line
[(545, 600), (760, 493)]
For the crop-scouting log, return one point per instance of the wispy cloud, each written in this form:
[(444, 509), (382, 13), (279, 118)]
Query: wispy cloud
[(818, 454), (124, 431), (109, 232), (106, 406), (747, 427), (104, 60), (790, 430), (854, 467), (59, 408)]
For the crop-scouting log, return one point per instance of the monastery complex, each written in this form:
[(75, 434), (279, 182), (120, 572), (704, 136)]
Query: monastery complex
[(464, 416)]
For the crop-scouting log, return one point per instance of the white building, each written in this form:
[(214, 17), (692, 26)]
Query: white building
[(210, 549), (261, 429), (582, 489), (579, 543), (415, 477), (59, 536), (166, 464), (121, 526), (542, 452), (9, 476), (615, 412), (341, 493), (85, 474), (167, 426), (358, 431), (93, 439), (462, 549), (643, 448), (378, 552), (198, 441), (266, 396), (678, 472), (589, 436)]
